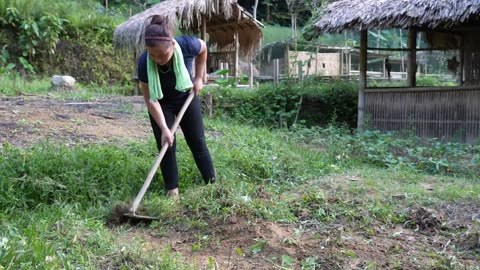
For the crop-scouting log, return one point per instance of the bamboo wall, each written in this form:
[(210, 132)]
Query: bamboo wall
[(325, 64), (452, 113)]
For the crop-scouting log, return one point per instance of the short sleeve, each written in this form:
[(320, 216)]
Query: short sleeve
[(142, 68), (190, 45)]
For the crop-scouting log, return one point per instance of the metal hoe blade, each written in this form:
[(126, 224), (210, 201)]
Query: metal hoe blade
[(135, 216)]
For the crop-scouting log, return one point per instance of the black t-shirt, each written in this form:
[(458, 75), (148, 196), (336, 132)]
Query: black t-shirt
[(190, 48)]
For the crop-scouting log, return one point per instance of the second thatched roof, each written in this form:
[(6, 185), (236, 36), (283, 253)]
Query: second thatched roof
[(223, 17), (381, 14)]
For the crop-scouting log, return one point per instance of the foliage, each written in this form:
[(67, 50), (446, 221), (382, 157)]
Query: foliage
[(394, 150), (67, 37), (274, 33), (279, 107)]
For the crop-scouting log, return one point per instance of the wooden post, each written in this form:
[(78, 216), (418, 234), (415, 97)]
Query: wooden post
[(412, 58), (237, 46), (276, 74), (349, 64), (204, 38), (341, 63), (384, 71), (250, 76), (362, 80), (460, 57)]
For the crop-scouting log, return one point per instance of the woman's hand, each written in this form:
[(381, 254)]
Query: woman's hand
[(167, 137), (200, 66), (197, 85)]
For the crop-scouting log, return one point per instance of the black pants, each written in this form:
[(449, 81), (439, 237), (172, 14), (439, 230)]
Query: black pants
[(193, 131)]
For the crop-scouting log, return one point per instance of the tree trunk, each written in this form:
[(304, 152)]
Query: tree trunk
[(267, 16)]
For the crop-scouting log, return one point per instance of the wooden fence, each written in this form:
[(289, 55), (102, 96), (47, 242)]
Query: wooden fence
[(430, 112)]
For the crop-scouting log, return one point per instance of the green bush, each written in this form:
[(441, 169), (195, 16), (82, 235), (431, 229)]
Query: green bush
[(267, 106), (62, 38)]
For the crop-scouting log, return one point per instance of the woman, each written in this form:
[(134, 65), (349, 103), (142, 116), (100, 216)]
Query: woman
[(172, 60)]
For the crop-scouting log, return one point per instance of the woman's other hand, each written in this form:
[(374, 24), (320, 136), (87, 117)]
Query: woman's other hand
[(197, 85), (167, 137)]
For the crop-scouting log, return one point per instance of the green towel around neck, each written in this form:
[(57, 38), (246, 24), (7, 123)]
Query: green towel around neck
[(183, 81)]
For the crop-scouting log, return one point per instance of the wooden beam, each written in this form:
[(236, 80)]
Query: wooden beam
[(402, 49), (362, 80), (412, 58)]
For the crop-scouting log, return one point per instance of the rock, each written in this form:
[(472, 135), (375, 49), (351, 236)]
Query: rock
[(63, 82)]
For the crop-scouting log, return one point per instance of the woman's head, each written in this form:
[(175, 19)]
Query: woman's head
[(158, 40)]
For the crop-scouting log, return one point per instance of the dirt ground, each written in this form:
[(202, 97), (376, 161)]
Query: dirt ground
[(28, 119), (444, 238)]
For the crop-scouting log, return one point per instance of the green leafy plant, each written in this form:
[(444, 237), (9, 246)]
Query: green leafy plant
[(5, 65)]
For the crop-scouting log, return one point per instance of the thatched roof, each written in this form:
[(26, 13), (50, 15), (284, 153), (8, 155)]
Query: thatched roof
[(222, 16), (381, 14)]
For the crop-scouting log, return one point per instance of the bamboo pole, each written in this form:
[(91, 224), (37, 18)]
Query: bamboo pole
[(412, 58), (362, 80)]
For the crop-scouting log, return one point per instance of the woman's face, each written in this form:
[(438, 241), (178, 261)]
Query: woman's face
[(161, 54)]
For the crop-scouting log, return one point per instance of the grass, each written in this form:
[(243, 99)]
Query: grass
[(274, 33), (56, 199), (12, 85)]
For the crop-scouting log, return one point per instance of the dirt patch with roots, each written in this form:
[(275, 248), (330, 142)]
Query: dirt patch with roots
[(447, 235)]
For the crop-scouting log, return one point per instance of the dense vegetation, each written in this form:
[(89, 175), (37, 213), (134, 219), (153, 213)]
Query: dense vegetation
[(69, 37)]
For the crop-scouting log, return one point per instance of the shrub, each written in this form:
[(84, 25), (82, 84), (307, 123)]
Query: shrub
[(312, 102)]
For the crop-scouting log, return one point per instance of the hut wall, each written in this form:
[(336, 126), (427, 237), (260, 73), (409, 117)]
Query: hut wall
[(325, 64), (472, 58), (266, 67), (452, 113)]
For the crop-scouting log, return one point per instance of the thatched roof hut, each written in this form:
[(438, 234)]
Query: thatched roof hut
[(222, 19), (447, 25), (405, 14)]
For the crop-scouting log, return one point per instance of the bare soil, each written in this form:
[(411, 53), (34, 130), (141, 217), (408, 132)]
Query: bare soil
[(447, 237), (29, 119)]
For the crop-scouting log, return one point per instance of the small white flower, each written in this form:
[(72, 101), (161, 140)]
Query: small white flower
[(49, 259)]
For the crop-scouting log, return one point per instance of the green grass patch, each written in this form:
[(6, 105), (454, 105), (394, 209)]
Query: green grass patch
[(12, 85), (56, 199)]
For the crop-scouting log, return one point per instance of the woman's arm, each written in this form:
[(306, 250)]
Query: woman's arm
[(200, 66), (157, 114)]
